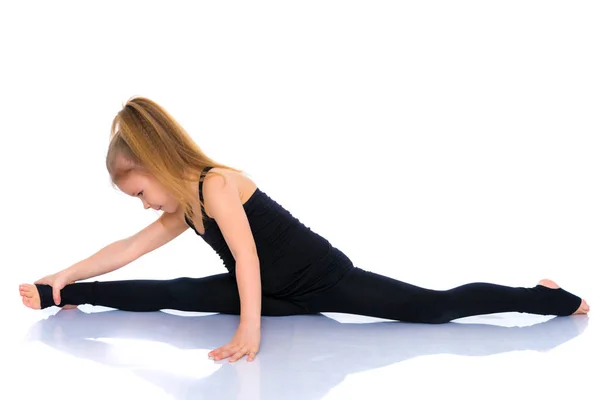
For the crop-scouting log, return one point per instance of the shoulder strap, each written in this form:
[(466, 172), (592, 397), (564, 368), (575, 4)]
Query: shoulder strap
[(201, 181)]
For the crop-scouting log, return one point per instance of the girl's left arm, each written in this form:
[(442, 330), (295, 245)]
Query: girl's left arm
[(247, 272), (223, 201)]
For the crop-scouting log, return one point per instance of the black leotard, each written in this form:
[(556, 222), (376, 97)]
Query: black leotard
[(292, 257)]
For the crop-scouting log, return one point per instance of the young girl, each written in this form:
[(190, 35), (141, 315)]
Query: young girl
[(275, 264)]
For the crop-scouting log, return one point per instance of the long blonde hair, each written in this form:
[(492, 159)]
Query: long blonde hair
[(146, 138)]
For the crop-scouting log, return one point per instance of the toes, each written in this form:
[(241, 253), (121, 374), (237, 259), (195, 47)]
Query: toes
[(25, 288), (548, 283), (29, 296), (586, 306), (583, 308)]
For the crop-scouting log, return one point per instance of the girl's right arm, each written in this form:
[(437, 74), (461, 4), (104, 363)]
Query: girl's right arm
[(122, 252)]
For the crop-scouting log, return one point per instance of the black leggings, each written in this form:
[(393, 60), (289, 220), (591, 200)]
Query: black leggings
[(357, 292)]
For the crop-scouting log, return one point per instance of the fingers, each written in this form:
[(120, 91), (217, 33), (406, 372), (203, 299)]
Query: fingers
[(236, 352), (239, 354), (56, 295), (220, 353), (213, 353)]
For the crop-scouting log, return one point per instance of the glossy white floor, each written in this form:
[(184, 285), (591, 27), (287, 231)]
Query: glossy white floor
[(99, 354)]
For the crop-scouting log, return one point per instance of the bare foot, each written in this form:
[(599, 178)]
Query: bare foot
[(31, 297), (583, 308)]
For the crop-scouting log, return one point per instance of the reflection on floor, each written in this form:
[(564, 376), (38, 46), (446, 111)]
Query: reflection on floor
[(164, 355)]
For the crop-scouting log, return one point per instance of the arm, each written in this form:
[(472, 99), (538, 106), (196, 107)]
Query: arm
[(248, 277), (223, 202), (122, 252)]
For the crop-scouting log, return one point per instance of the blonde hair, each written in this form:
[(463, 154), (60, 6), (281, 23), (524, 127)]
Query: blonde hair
[(144, 137)]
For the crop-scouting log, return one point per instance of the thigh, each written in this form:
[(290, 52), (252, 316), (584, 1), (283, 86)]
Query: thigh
[(366, 293), (219, 293)]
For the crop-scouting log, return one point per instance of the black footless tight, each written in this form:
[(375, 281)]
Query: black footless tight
[(358, 292), (367, 293)]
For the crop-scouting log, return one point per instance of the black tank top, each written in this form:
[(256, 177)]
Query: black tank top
[(292, 257)]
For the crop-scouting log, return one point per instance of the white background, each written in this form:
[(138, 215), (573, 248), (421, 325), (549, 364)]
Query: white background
[(439, 143)]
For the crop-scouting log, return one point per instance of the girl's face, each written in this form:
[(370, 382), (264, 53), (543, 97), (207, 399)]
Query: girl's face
[(149, 191)]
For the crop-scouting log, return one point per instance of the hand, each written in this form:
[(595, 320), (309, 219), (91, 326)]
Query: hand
[(58, 281), (245, 341)]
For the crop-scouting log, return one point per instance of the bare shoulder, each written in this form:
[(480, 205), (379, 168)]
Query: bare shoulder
[(244, 185)]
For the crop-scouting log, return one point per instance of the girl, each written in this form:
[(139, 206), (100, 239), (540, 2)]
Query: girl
[(275, 264)]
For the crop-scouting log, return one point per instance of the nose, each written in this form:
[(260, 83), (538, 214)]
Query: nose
[(146, 205)]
